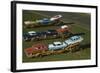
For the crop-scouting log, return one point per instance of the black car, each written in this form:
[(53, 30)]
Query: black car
[(51, 33), (28, 36)]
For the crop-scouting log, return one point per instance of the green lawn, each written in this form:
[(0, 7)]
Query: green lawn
[(76, 28)]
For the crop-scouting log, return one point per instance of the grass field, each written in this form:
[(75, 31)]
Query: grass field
[(82, 24)]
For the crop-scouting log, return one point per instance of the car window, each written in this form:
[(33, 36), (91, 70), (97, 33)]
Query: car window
[(71, 39), (54, 44), (77, 38), (65, 42), (58, 44)]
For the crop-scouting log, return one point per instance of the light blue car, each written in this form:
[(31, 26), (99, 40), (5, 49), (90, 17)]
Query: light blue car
[(62, 45), (44, 21), (74, 39), (57, 45)]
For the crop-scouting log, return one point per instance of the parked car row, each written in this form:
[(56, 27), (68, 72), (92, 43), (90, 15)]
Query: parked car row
[(44, 21), (33, 35), (55, 20), (38, 49), (38, 35)]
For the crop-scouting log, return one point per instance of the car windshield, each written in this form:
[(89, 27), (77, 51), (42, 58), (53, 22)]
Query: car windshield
[(71, 39), (54, 44), (65, 42), (74, 38), (58, 44)]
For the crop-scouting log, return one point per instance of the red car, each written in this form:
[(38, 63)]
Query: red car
[(60, 30), (35, 49)]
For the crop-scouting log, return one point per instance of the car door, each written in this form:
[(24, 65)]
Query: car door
[(59, 46)]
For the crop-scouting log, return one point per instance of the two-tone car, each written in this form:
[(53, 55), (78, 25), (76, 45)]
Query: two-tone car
[(73, 40), (44, 21), (30, 35), (66, 43)]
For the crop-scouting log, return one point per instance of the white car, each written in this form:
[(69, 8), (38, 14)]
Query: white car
[(56, 17), (29, 22), (32, 33), (57, 45), (62, 45)]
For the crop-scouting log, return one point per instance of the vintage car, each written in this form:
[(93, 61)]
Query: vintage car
[(57, 46), (30, 35), (26, 37), (56, 17), (44, 21), (35, 49), (73, 40), (62, 45), (63, 29), (41, 22), (52, 33)]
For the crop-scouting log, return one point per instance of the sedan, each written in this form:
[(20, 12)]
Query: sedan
[(57, 46)]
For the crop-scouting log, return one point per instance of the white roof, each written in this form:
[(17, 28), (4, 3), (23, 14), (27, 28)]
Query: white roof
[(28, 22), (57, 42), (59, 15), (30, 32), (55, 17), (64, 26)]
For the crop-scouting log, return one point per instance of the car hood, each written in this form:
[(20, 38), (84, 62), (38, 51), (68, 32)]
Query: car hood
[(68, 41), (51, 45)]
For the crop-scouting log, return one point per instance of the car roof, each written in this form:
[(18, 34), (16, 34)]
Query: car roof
[(64, 26), (57, 42), (71, 39), (74, 37), (30, 32)]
